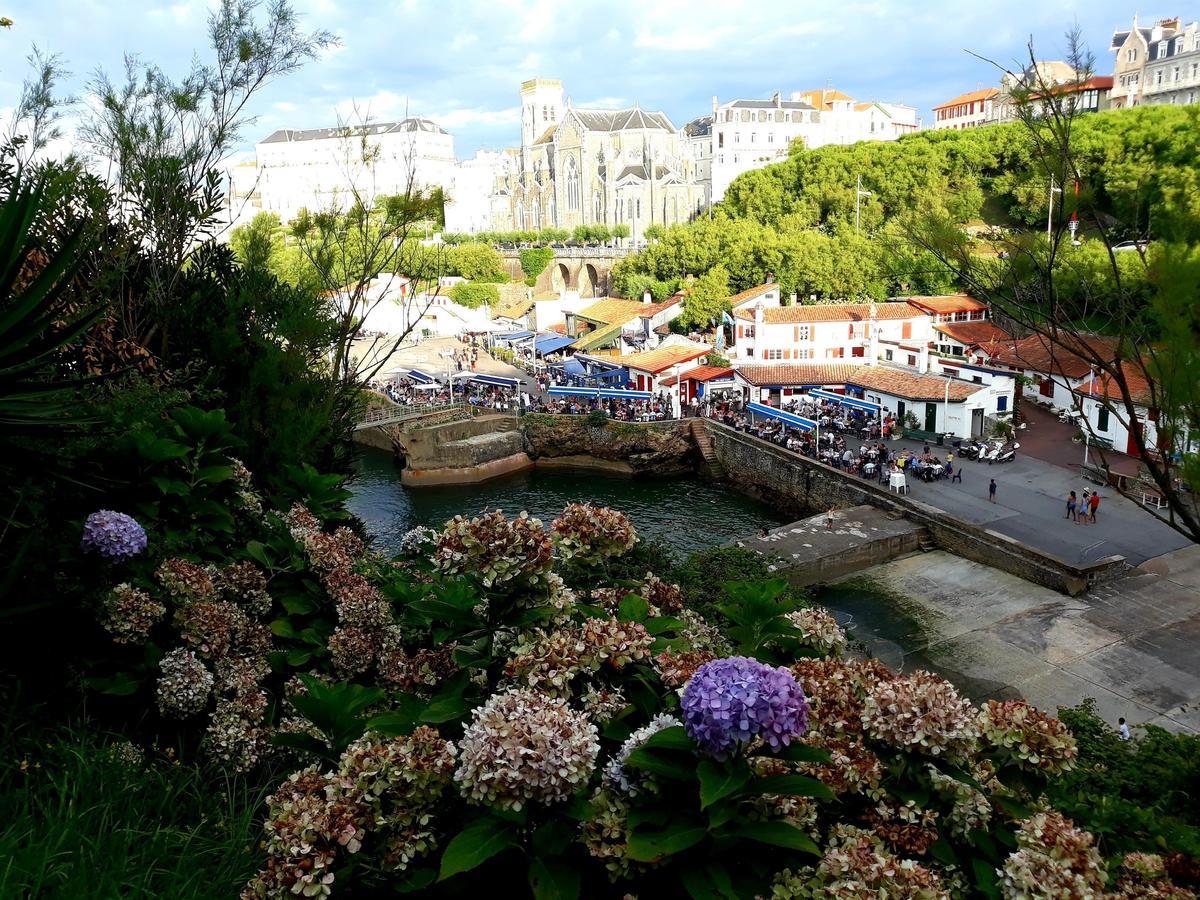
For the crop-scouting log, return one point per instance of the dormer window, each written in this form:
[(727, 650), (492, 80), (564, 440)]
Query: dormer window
[(1131, 54), (1162, 49)]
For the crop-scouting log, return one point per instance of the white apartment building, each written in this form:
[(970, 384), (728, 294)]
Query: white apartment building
[(750, 134), (316, 168), (468, 205), (698, 143), (850, 332)]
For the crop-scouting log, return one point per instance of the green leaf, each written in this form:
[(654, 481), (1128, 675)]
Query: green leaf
[(710, 883), (661, 624), (283, 628), (985, 877), (257, 551), (214, 474), (413, 880), (401, 720), (120, 685), (297, 604), (475, 845), (648, 846), (305, 743), (673, 738), (718, 780), (634, 608), (668, 765), (778, 834), (791, 786), (553, 879), (552, 838), (298, 657)]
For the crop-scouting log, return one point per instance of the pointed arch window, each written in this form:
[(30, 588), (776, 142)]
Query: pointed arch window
[(572, 185)]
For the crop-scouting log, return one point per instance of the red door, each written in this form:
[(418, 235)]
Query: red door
[(1135, 431)]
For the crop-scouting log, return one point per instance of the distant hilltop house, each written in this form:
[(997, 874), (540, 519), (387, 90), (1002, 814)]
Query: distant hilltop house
[(1156, 64), (1040, 81)]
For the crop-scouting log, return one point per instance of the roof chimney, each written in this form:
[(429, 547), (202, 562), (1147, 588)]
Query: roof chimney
[(793, 298), (770, 278), (647, 297)]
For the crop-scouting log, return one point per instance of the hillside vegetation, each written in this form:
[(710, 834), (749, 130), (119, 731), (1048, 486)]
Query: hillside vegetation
[(795, 219)]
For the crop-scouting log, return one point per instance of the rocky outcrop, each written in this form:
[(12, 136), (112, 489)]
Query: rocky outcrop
[(654, 449)]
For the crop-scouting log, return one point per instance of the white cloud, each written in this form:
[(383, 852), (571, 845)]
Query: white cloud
[(462, 41), (284, 106), (605, 103), (460, 118), (682, 38)]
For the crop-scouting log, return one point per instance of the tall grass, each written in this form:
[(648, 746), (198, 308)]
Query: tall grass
[(78, 819)]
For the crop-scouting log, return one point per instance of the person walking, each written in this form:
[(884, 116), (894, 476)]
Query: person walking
[(829, 519), (1122, 729), (1094, 504), (1072, 502), (992, 491)]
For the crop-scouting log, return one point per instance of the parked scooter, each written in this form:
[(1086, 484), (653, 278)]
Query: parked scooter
[(972, 449), (1007, 453), (988, 453)]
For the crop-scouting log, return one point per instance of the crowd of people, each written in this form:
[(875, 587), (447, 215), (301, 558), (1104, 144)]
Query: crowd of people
[(656, 410)]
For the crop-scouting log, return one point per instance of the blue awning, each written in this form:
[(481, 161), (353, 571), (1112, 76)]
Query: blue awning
[(606, 393), (419, 377), (611, 374), (514, 336), (787, 418), (548, 343), (852, 402), (571, 366), (496, 380)]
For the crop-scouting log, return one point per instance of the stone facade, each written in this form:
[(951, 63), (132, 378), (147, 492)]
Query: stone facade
[(593, 167)]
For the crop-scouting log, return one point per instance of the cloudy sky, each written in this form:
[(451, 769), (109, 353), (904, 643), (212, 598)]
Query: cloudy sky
[(460, 61)]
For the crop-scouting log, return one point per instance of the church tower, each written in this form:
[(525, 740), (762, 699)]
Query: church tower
[(541, 107)]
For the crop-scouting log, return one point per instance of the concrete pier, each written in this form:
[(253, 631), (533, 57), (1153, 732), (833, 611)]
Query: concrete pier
[(807, 552)]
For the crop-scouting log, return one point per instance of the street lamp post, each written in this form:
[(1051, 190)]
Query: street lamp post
[(859, 193), (1050, 212)]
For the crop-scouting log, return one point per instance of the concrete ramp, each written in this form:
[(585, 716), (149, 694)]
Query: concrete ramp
[(807, 552)]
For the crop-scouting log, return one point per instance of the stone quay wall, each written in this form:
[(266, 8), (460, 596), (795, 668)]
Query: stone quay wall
[(652, 448), (805, 486)]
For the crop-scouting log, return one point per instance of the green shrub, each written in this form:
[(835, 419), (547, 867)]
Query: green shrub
[(534, 261), (473, 294)]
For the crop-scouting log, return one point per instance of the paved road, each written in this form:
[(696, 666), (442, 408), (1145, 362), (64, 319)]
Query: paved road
[(1031, 504)]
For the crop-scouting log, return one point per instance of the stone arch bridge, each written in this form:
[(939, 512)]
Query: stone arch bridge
[(586, 270)]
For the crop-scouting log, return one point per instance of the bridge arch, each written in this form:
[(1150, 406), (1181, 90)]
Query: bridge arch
[(589, 281), (560, 277)]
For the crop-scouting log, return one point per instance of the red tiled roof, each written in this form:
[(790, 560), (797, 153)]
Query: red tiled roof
[(970, 97), (1095, 83), (947, 303), (910, 385), (830, 312), (751, 293), (655, 361), (796, 374), (973, 333), (705, 373), (560, 328), (1135, 379), (1038, 354), (613, 310)]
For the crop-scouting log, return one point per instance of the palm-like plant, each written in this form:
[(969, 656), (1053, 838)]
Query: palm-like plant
[(37, 320)]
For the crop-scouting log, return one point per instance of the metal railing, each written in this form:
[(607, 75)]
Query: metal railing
[(390, 415)]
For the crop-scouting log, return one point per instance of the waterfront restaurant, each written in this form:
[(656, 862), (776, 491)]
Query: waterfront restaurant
[(703, 381), (943, 405), (648, 370)]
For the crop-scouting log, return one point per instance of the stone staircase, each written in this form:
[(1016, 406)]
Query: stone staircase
[(704, 443), (438, 417)]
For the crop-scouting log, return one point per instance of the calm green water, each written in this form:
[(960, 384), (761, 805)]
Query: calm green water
[(686, 513)]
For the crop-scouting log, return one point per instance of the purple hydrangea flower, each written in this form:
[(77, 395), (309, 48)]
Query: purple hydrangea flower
[(731, 701), (113, 536)]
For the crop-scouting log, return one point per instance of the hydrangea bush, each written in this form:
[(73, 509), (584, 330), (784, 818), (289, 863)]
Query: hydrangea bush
[(460, 718)]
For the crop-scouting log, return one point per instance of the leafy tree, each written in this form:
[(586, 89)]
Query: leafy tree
[(259, 243), (167, 138), (475, 294), (620, 231), (473, 261), (706, 298)]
